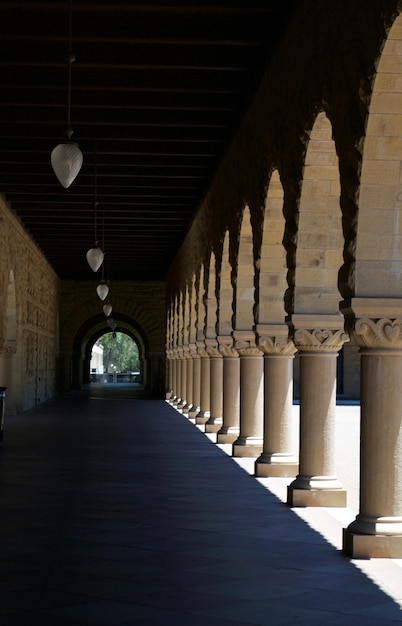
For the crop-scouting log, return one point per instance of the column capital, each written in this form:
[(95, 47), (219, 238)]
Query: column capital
[(245, 343), (274, 339), (318, 334), (226, 346), (375, 323), (201, 349), (211, 346), (193, 351)]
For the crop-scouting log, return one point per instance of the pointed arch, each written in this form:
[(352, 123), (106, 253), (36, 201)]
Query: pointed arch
[(244, 314), (379, 232), (225, 292), (272, 276), (319, 253)]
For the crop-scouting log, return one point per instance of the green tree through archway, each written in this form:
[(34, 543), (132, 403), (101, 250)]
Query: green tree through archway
[(120, 353)]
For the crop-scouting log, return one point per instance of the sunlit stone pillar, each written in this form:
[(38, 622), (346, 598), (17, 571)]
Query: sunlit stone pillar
[(183, 377), (318, 338), (277, 458), (250, 440), (205, 386), (195, 408), (173, 396), (229, 431), (216, 387), (376, 325), (189, 381), (169, 375), (177, 397)]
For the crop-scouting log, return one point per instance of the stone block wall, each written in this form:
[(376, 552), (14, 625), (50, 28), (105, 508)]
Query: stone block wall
[(29, 301)]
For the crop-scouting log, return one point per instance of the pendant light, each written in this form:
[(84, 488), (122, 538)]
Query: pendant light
[(102, 289), (107, 309), (66, 158), (95, 255)]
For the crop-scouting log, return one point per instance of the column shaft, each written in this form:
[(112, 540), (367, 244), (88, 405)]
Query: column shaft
[(250, 440), (277, 458), (229, 431)]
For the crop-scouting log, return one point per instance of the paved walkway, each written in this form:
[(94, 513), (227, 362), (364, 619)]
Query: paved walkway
[(121, 512)]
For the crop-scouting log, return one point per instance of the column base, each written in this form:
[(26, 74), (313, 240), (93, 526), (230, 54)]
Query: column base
[(247, 447), (371, 546), (213, 425), (186, 409), (202, 417), (227, 434), (193, 412), (316, 497), (284, 465)]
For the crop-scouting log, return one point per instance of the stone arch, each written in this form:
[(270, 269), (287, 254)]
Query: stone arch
[(379, 231), (273, 270), (210, 300), (200, 304), (95, 327), (225, 292), (319, 252), (245, 288), (193, 311)]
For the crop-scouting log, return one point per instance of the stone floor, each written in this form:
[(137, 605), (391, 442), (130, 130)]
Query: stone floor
[(118, 511)]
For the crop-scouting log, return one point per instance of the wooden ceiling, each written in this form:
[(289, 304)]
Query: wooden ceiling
[(158, 91)]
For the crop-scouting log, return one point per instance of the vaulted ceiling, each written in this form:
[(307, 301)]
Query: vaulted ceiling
[(158, 90)]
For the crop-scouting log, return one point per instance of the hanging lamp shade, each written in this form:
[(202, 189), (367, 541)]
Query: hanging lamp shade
[(102, 290), (66, 160), (95, 258), (107, 309)]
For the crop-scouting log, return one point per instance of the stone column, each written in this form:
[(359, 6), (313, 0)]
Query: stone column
[(183, 377), (169, 375), (173, 395), (178, 357), (229, 431), (214, 421), (189, 381), (205, 386), (376, 326), (250, 440), (319, 338), (195, 408), (277, 458)]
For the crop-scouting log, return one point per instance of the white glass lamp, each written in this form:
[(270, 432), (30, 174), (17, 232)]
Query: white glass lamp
[(107, 309), (95, 257), (66, 160), (102, 290)]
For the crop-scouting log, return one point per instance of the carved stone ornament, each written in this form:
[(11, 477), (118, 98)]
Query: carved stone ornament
[(378, 333), (277, 345), (228, 351), (213, 351), (193, 351), (324, 340), (201, 349)]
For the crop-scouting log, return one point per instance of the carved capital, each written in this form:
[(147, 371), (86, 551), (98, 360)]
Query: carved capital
[(226, 346), (193, 351), (201, 349), (213, 351), (274, 339), (8, 349), (277, 345), (325, 340), (378, 333)]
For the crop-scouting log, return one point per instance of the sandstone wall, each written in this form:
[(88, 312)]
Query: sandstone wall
[(29, 301)]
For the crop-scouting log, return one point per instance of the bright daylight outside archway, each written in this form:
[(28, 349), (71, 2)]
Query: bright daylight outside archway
[(115, 359)]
